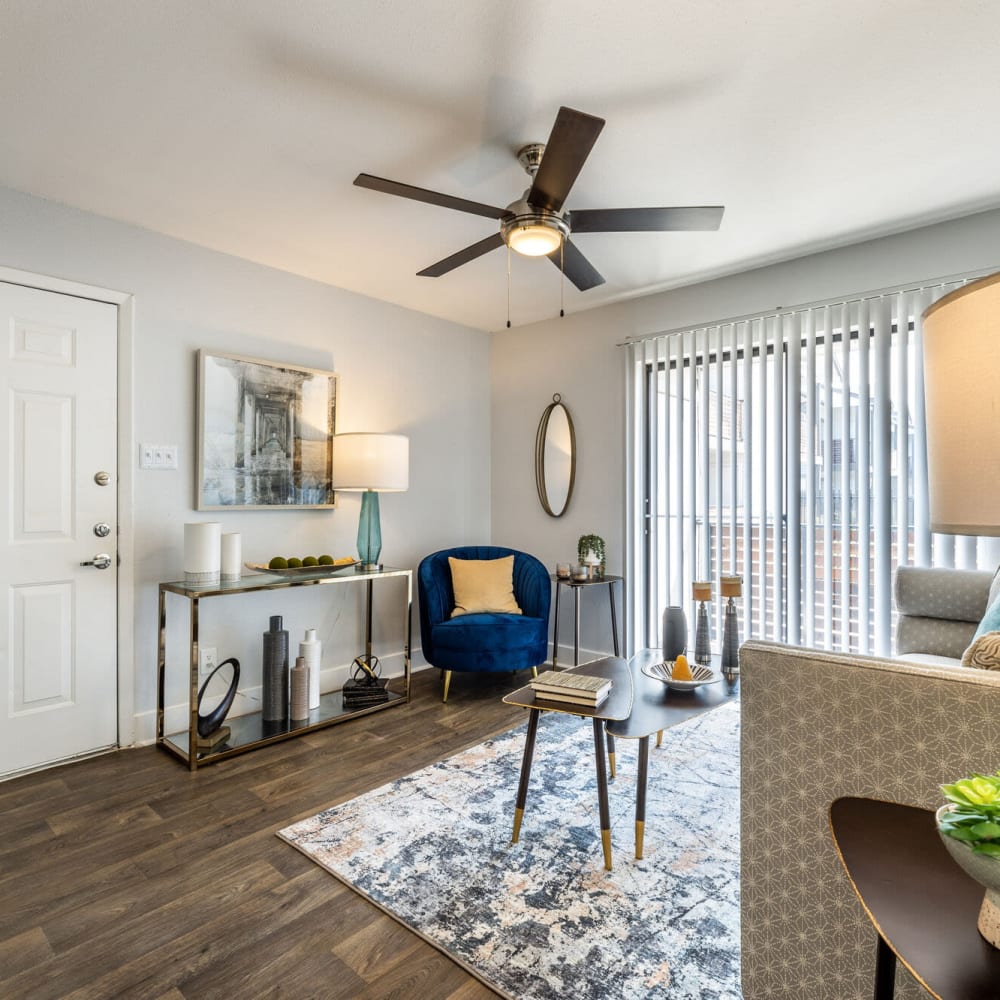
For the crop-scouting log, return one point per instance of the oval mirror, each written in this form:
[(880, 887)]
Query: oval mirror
[(555, 458)]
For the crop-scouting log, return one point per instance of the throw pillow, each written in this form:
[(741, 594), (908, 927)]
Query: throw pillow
[(483, 585), (991, 620), (994, 588), (984, 652)]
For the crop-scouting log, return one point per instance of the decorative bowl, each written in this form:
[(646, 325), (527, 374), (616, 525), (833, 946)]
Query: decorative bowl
[(662, 671), (985, 869), (302, 571)]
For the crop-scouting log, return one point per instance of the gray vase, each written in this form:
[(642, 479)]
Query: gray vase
[(275, 673), (675, 632)]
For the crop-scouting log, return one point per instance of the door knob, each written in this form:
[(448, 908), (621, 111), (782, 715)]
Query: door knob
[(101, 561), (102, 529), (102, 478)]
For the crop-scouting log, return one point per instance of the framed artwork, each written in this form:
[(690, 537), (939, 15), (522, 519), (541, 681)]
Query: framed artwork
[(265, 434)]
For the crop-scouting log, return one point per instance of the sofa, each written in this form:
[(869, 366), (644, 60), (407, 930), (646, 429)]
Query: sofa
[(938, 611), (817, 726)]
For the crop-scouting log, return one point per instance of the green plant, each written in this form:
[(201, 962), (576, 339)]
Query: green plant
[(974, 817), (588, 543)]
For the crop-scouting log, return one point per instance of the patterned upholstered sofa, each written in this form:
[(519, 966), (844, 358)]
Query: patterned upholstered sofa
[(938, 611), (818, 726)]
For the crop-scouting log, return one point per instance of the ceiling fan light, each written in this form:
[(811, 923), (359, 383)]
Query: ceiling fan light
[(534, 240)]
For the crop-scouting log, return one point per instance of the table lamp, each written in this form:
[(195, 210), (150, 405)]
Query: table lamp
[(370, 464), (961, 347)]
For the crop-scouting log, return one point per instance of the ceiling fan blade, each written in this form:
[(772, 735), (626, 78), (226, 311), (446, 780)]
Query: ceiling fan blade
[(570, 142), (462, 257), (431, 197), (645, 220), (576, 267)]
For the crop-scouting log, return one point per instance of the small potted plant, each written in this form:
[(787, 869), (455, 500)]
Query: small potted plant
[(590, 552), (969, 826)]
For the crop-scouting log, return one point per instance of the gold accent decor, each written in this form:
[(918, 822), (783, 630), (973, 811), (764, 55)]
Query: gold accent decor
[(640, 829), (606, 844), (447, 683), (611, 762), (518, 816)]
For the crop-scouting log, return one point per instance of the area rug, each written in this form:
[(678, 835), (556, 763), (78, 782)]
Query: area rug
[(542, 919)]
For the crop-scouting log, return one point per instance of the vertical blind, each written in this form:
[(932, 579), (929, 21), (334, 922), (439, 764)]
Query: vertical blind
[(787, 448)]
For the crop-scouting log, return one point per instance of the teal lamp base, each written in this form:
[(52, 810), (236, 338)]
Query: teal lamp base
[(369, 532)]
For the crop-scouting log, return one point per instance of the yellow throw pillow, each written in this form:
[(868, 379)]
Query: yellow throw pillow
[(483, 585)]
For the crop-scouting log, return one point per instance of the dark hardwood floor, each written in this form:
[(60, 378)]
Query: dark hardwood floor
[(128, 876)]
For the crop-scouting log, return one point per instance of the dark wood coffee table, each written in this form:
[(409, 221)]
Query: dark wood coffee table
[(656, 707), (617, 706), (922, 905)]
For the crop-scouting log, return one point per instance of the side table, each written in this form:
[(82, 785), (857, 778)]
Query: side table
[(577, 586), (617, 706), (923, 906)]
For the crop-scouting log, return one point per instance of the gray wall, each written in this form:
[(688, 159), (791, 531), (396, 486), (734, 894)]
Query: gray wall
[(399, 371), (577, 357)]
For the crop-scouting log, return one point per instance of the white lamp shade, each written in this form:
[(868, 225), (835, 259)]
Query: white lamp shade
[(378, 462), (961, 346)]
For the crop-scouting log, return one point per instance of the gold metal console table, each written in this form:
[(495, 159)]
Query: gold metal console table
[(250, 731)]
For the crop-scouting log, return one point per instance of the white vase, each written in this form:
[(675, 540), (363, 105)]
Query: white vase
[(311, 650)]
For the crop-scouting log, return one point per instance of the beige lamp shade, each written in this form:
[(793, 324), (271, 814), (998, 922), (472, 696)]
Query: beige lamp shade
[(961, 345), (377, 462)]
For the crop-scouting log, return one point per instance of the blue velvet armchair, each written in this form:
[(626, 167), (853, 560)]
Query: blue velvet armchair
[(484, 641)]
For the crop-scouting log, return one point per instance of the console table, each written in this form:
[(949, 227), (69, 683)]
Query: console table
[(577, 586), (923, 906), (250, 731)]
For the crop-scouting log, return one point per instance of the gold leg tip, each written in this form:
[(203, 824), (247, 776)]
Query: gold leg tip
[(640, 829), (518, 816), (606, 844)]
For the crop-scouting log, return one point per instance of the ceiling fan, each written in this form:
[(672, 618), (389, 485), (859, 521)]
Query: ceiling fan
[(536, 224)]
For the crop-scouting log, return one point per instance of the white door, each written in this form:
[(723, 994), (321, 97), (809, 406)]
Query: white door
[(58, 433)]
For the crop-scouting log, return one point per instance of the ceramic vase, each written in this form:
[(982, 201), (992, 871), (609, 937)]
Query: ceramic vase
[(311, 649), (985, 869), (275, 673), (674, 632)]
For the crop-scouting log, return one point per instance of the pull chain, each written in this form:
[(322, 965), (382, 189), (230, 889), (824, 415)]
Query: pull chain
[(562, 278), (508, 287)]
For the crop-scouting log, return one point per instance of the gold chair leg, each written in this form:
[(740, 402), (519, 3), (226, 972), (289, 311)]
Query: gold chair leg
[(447, 683), (534, 671), (659, 738)]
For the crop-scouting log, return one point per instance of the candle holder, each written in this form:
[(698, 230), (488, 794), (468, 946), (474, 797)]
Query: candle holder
[(731, 587), (702, 593)]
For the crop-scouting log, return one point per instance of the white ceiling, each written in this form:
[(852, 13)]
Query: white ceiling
[(240, 126)]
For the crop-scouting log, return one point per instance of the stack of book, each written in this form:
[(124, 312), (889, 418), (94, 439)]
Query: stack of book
[(572, 689), (361, 694)]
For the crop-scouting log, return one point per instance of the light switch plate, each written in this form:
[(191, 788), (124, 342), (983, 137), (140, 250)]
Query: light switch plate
[(157, 456)]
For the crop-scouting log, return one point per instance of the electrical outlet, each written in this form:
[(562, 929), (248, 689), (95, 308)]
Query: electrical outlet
[(207, 661)]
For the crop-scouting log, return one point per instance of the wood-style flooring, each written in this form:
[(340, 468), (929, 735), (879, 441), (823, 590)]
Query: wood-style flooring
[(128, 876)]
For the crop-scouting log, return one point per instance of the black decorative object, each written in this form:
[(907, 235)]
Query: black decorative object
[(675, 632), (208, 724), (702, 644), (275, 673)]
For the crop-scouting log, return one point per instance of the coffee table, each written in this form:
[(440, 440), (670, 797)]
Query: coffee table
[(618, 706), (656, 707)]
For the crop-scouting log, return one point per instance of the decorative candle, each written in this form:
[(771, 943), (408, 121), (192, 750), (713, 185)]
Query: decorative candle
[(231, 557), (731, 586), (701, 590), (202, 552), (580, 572), (562, 571)]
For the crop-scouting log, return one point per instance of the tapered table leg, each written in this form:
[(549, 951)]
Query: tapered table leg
[(611, 754), (555, 629), (640, 795), (614, 617), (885, 971), (602, 792), (522, 788)]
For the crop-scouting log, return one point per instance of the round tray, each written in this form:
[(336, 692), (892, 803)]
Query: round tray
[(302, 571), (661, 672)]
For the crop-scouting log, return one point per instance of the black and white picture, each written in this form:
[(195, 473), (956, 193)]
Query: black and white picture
[(265, 434)]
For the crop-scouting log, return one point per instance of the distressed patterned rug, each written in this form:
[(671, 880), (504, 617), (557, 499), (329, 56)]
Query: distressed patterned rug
[(541, 919)]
